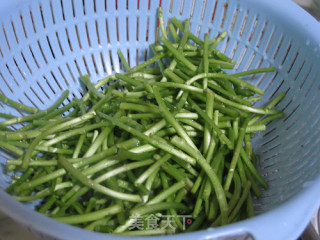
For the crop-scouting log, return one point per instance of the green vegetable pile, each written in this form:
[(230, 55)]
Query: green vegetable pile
[(169, 137)]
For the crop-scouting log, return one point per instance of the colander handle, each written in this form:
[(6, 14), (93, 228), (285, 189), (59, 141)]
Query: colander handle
[(310, 233)]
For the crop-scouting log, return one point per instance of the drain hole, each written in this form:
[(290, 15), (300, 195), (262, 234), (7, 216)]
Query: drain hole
[(270, 41), (4, 80), (286, 54), (84, 8), (192, 8), (88, 35), (59, 43), (62, 10), (111, 61), (42, 17), (137, 31), (305, 79), (170, 6), (128, 57), (52, 14), (203, 9), (292, 63), (225, 9), (271, 140), (268, 132), (103, 63), (311, 86), (33, 24), (71, 73), (127, 27), (262, 34), (214, 11), (271, 148), (94, 64), (97, 32), (34, 92), (5, 35), (23, 27), (107, 30), (277, 89), (1, 53), (234, 50), (42, 53), (250, 62), (69, 40), (290, 114), (78, 68), (25, 61), (22, 73), (32, 102), (11, 74), (299, 70), (234, 20), (278, 48), (137, 57), (86, 65), (35, 60), (241, 57), (50, 47), (73, 8), (51, 88), (44, 92), (181, 7), (94, 6), (243, 24), (56, 80), (64, 77), (253, 29), (147, 29), (78, 36), (14, 31), (117, 29), (145, 54)]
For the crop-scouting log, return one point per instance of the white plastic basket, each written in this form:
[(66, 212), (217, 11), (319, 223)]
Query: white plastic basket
[(45, 45)]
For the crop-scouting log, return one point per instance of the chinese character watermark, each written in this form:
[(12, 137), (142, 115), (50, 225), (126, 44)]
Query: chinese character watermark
[(168, 222), (159, 222), (138, 222)]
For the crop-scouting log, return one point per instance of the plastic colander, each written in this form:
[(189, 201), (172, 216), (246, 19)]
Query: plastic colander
[(46, 45)]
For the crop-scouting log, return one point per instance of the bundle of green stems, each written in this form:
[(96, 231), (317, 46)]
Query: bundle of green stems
[(169, 137)]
